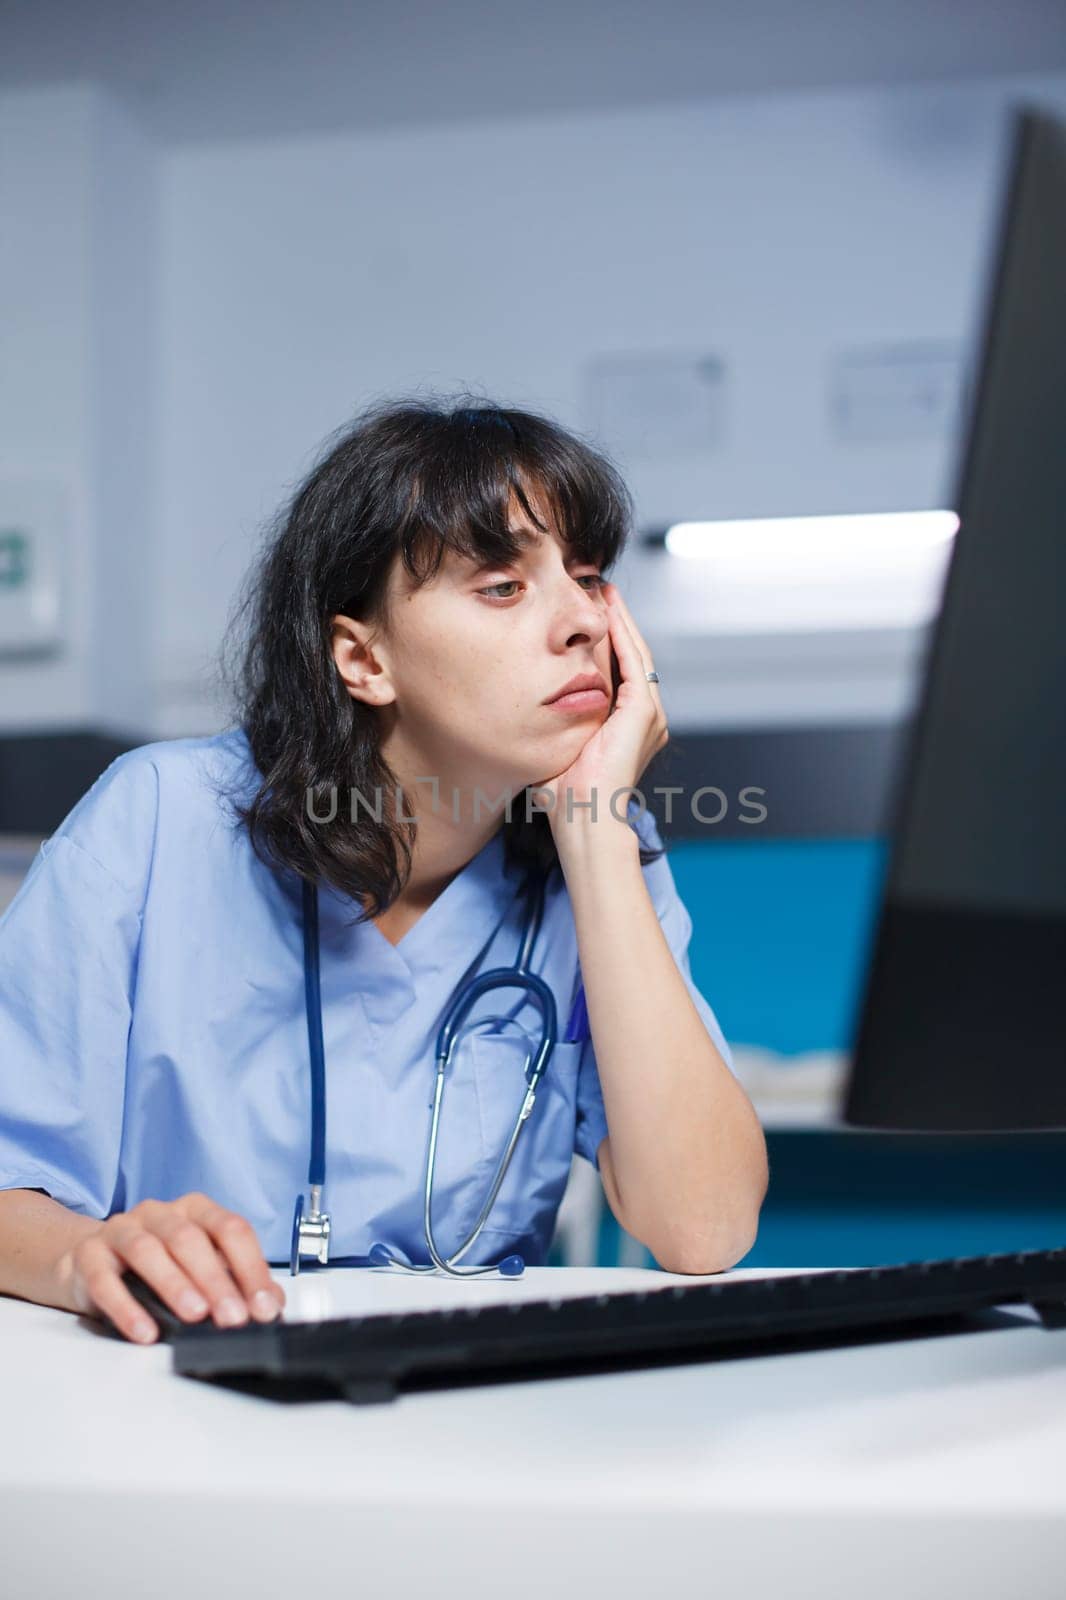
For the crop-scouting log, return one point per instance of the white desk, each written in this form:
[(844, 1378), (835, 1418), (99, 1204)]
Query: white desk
[(922, 1468)]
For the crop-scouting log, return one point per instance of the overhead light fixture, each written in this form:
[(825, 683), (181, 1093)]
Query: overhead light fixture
[(762, 542), (788, 574)]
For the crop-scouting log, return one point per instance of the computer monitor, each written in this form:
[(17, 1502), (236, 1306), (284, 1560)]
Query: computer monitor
[(962, 1024)]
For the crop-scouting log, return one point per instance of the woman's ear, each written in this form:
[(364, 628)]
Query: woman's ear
[(359, 663)]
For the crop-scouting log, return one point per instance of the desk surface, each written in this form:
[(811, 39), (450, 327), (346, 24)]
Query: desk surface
[(920, 1462)]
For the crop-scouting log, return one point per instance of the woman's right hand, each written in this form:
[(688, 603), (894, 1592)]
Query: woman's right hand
[(197, 1256)]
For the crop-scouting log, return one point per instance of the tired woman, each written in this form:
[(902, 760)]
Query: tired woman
[(246, 1011)]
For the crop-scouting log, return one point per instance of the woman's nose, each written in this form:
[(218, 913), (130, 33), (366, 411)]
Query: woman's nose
[(583, 611)]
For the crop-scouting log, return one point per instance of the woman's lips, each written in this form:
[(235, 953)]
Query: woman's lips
[(581, 700)]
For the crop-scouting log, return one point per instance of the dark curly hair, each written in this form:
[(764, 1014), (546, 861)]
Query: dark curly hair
[(417, 477)]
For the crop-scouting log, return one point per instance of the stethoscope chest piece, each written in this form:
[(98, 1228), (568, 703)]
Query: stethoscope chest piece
[(310, 1233)]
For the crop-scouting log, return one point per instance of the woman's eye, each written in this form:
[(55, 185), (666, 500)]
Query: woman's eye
[(595, 578)]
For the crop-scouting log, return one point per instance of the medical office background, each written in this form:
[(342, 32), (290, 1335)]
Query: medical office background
[(741, 248)]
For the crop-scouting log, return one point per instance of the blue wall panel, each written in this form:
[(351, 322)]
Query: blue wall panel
[(780, 934)]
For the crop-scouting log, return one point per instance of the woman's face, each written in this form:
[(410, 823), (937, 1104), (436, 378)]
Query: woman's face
[(468, 661)]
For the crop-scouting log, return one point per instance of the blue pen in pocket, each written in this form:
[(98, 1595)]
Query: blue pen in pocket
[(577, 1029)]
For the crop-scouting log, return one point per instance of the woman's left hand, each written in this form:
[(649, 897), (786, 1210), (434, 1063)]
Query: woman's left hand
[(618, 752)]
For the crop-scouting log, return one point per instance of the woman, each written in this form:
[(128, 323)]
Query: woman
[(404, 743)]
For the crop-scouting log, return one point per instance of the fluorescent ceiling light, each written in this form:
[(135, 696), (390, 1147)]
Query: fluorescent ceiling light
[(784, 574), (762, 541)]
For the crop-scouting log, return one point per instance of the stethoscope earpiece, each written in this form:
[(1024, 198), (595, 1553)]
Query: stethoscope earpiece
[(381, 1255)]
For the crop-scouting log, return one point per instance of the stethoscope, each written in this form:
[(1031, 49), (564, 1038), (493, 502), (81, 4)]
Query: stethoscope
[(311, 1229)]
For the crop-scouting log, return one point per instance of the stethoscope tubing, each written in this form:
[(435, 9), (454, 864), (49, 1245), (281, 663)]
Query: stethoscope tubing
[(518, 976), (316, 1173)]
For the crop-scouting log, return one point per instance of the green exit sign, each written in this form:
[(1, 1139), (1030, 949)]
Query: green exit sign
[(14, 559)]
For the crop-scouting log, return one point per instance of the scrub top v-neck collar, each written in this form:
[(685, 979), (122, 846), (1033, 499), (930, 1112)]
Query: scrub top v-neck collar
[(450, 931)]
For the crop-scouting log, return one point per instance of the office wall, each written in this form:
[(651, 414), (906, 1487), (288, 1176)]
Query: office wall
[(78, 323), (304, 276), (45, 379), (182, 326)]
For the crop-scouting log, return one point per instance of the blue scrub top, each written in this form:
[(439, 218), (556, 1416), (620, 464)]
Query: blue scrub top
[(153, 1032)]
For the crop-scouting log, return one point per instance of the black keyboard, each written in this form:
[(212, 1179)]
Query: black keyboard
[(373, 1358)]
